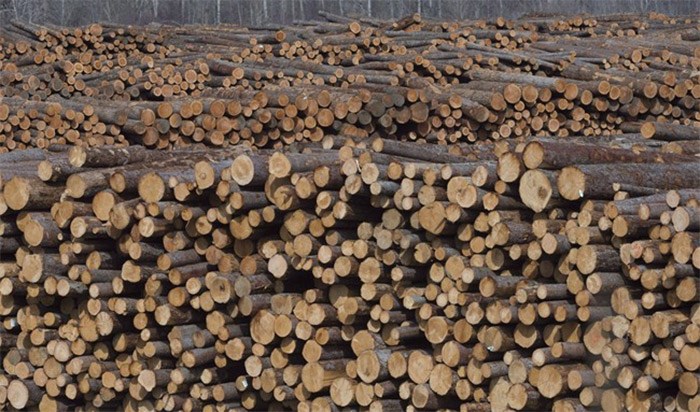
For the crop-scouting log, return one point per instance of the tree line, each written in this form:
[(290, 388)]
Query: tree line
[(259, 12)]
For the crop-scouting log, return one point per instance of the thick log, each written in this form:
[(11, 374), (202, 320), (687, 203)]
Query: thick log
[(595, 181), (556, 155)]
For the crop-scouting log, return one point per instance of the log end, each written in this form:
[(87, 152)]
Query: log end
[(368, 366), (508, 168), (32, 268), (163, 315), (571, 183), (550, 382), (460, 191), (432, 218), (147, 379), (512, 93), (16, 193), (242, 170), (279, 165), (33, 233), (533, 155), (44, 170), (102, 204), (517, 396), (151, 188), (421, 396), (420, 366), (204, 175), (17, 394), (595, 338), (78, 227), (312, 377), (278, 266), (262, 327), (535, 190), (648, 130), (342, 391), (436, 329), (77, 156), (586, 259)]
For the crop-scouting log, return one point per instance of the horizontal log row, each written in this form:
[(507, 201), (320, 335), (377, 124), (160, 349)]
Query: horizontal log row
[(351, 273), (167, 86)]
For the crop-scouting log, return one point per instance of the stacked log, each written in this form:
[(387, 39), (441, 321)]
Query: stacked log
[(350, 273), (167, 86), (351, 214)]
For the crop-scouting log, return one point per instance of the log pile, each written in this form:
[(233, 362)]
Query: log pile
[(167, 86), (351, 273), (375, 238)]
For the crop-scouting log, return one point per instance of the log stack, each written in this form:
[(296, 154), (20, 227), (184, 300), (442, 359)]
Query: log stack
[(168, 86), (350, 273), (402, 246)]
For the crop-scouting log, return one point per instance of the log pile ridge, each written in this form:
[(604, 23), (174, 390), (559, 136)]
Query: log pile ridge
[(352, 215)]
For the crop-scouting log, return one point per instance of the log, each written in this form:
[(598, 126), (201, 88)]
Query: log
[(595, 181)]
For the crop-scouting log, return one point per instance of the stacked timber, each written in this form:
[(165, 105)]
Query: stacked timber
[(166, 86), (351, 214), (351, 273)]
